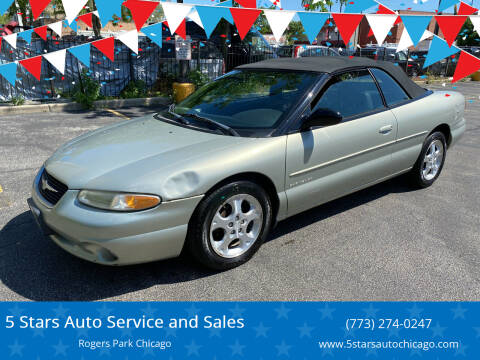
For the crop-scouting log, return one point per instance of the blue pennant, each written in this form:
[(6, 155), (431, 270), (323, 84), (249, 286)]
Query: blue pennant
[(108, 8), (4, 5), (82, 53), (439, 50), (312, 23), (154, 33), (359, 5), (445, 4), (211, 15), (26, 35), (415, 26), (72, 26), (9, 72)]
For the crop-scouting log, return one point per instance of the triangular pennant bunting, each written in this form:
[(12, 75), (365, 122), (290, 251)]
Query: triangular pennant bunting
[(154, 33), (11, 40), (175, 14), (445, 4), (382, 9), (56, 28), (450, 26), (82, 53), (9, 72), (141, 10), (106, 47), (416, 26), (182, 29), (475, 19), (466, 9), (37, 7), (26, 35), (358, 6), (33, 66), (244, 19), (380, 25), (193, 15), (130, 39), (405, 41), (5, 5), (87, 19), (346, 24), (278, 21), (312, 23), (277, 3), (466, 65), (108, 8), (252, 4), (439, 50), (73, 25), (210, 16), (72, 8), (57, 59), (42, 32)]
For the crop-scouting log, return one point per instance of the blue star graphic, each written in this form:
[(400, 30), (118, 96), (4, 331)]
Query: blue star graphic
[(105, 351), (60, 348), (437, 330), (305, 330), (38, 332), (348, 333), (261, 330), (282, 311), (327, 351), (193, 348), (393, 331), (415, 352), (477, 330), (371, 312), (415, 312), (16, 310), (104, 311), (327, 312), (126, 332), (283, 349), (372, 352), (170, 332), (149, 311), (148, 351), (461, 350), (82, 332), (215, 332), (16, 349), (60, 311), (192, 310), (237, 311), (237, 349), (458, 312)]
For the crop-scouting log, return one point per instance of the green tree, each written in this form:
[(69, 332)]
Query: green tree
[(467, 35)]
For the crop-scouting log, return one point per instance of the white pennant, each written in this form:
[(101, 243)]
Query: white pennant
[(57, 27), (405, 40), (476, 23), (195, 17), (72, 8), (380, 25), (57, 59), (11, 39), (278, 21), (130, 39), (175, 13)]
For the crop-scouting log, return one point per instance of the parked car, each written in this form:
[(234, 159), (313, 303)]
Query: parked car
[(388, 53), (213, 174), (314, 50)]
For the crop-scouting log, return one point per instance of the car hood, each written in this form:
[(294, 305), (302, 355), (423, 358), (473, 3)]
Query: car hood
[(125, 156)]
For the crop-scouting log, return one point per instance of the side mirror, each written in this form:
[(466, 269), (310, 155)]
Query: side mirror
[(322, 117)]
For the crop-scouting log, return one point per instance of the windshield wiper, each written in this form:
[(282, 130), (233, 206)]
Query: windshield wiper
[(177, 116), (226, 129)]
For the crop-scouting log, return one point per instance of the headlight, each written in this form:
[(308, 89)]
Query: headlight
[(117, 201)]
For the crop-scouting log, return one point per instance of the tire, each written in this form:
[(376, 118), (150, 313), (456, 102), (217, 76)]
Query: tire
[(228, 242), (420, 176)]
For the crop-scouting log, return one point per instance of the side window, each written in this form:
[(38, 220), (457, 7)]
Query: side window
[(352, 93), (392, 92)]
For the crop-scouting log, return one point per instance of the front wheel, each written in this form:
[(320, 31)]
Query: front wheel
[(230, 225), (429, 164)]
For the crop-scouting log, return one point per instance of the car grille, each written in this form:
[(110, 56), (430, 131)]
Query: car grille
[(50, 188)]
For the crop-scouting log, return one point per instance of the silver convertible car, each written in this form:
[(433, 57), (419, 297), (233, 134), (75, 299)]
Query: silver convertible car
[(213, 174)]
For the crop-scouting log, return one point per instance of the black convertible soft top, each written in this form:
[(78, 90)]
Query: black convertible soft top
[(332, 64)]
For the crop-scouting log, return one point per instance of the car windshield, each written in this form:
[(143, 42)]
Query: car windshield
[(251, 102)]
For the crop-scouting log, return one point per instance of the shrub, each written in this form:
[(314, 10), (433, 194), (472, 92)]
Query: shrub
[(18, 100), (198, 78), (86, 91), (134, 89)]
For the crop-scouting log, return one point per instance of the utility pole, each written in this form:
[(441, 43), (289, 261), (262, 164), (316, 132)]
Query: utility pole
[(19, 15)]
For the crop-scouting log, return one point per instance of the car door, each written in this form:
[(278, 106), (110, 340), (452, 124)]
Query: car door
[(330, 161)]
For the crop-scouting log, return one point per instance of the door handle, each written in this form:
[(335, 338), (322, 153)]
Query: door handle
[(385, 129)]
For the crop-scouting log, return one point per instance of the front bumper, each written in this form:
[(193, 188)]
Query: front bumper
[(113, 238)]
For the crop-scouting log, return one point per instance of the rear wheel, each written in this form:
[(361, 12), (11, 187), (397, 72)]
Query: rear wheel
[(230, 225), (429, 164)]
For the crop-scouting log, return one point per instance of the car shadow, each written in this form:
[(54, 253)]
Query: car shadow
[(35, 268)]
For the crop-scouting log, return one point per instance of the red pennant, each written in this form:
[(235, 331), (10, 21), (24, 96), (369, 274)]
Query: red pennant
[(42, 32), (466, 9), (244, 19), (33, 66), (384, 10), (87, 19), (107, 47), (248, 3), (182, 30), (450, 26), (38, 6), (141, 10), (466, 65), (346, 24)]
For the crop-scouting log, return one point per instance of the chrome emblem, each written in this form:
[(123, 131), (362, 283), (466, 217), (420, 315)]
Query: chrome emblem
[(47, 186)]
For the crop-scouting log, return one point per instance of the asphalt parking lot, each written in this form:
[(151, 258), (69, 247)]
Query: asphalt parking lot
[(387, 242)]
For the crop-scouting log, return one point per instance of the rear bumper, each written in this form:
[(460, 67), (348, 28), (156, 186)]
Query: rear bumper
[(112, 238)]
